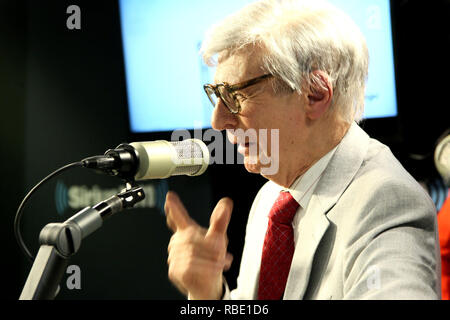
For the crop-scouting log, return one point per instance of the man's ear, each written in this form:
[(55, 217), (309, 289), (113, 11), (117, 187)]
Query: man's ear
[(319, 94)]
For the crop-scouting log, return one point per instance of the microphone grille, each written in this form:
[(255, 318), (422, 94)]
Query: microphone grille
[(442, 159), (192, 157), (188, 149)]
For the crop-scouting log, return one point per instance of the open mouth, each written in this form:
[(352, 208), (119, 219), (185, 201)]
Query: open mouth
[(244, 148)]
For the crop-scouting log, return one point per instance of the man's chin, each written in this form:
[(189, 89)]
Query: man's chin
[(252, 167), (258, 168)]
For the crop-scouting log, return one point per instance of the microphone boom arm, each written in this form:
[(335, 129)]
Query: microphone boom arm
[(60, 241)]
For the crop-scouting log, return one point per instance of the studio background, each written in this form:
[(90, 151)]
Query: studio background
[(63, 98)]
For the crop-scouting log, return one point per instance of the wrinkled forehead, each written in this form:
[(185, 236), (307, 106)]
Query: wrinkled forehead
[(239, 65)]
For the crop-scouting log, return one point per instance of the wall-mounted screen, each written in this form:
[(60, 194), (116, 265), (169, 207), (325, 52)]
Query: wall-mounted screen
[(165, 73)]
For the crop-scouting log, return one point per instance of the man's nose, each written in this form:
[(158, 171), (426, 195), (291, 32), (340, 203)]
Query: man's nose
[(222, 118)]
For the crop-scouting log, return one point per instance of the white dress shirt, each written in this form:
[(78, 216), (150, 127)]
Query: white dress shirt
[(301, 190)]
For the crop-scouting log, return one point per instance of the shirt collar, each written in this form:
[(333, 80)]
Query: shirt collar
[(302, 189)]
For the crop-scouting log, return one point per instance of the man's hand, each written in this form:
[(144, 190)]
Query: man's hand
[(198, 256)]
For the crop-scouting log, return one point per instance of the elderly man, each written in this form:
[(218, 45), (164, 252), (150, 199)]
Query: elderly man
[(340, 218)]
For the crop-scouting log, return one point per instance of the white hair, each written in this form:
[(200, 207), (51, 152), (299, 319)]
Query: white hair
[(299, 37)]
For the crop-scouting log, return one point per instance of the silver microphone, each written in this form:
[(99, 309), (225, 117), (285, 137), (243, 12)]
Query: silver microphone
[(153, 159), (162, 159), (442, 159)]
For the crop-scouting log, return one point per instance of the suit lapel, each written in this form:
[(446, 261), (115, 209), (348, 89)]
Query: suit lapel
[(251, 262), (337, 176), (313, 229)]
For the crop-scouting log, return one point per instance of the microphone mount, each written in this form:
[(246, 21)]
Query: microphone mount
[(122, 162), (60, 241)]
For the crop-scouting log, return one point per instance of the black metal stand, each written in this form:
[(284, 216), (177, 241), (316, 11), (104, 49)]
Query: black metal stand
[(60, 241)]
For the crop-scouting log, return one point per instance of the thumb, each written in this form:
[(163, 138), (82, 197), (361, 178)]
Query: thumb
[(177, 216), (228, 261), (220, 218)]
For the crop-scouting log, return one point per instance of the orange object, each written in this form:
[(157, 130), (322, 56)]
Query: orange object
[(444, 239)]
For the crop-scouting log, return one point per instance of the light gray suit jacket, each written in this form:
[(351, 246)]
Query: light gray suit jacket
[(370, 232)]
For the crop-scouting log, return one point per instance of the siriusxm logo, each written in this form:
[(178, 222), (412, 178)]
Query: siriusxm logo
[(77, 197)]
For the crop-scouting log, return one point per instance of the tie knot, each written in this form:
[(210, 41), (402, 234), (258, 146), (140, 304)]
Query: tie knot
[(284, 209)]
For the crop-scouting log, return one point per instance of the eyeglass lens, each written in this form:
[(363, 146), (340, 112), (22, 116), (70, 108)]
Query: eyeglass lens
[(227, 98)]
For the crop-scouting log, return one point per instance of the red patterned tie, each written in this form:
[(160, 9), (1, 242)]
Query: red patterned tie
[(278, 248)]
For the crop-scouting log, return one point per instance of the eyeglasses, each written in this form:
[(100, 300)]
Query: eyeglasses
[(226, 92)]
